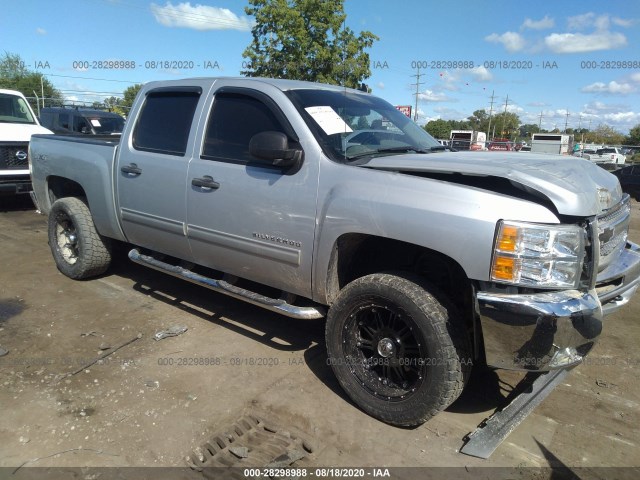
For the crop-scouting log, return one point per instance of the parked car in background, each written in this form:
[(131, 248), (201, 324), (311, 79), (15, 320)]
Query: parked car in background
[(585, 153), (17, 124), (629, 178), (501, 144), (611, 155), (74, 120)]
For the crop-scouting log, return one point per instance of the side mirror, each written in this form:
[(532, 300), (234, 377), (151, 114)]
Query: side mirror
[(85, 130), (274, 146)]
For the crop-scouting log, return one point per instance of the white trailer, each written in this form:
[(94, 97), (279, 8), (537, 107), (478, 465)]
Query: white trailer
[(551, 143), (468, 140)]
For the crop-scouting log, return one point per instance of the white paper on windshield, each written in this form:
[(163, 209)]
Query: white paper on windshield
[(95, 122), (328, 120)]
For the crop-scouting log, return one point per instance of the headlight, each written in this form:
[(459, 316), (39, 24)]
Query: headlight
[(543, 256)]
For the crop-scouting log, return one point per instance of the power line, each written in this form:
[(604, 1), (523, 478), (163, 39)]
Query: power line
[(90, 78)]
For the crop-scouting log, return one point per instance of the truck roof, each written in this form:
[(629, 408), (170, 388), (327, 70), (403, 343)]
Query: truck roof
[(80, 110), (281, 84), (11, 92)]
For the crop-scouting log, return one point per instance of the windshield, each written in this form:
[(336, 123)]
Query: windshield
[(105, 125), (351, 126), (14, 110)]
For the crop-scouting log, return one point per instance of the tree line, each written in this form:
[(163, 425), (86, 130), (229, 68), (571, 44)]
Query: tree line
[(507, 125)]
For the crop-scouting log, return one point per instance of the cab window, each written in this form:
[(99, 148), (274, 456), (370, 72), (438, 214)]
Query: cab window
[(165, 121), (235, 118)]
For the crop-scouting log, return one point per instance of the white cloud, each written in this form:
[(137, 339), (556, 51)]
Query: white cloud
[(431, 96), (611, 87), (627, 118), (41, 31), (380, 85), (617, 115), (580, 22), (199, 17), (542, 24), (578, 42), (481, 74), (635, 77), (599, 22), (512, 41), (447, 113), (622, 22)]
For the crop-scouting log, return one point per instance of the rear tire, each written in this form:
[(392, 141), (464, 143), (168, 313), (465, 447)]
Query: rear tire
[(396, 350), (78, 249)]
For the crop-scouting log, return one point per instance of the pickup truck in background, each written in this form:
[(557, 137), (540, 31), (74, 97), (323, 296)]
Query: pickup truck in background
[(607, 155), (17, 124), (74, 120), (423, 260)]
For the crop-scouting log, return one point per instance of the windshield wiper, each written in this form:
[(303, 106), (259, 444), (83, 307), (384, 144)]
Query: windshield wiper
[(389, 150)]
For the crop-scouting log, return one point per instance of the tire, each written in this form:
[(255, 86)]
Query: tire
[(396, 350), (78, 249)]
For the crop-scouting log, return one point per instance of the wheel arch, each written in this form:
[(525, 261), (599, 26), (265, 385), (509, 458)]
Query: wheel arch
[(60, 187), (355, 255)]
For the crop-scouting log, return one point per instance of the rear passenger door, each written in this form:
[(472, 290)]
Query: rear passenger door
[(245, 216), (152, 170)]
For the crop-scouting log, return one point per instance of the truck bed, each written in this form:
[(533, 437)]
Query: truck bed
[(85, 160)]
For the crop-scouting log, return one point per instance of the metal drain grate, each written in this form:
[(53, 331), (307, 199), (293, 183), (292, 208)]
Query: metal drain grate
[(251, 442)]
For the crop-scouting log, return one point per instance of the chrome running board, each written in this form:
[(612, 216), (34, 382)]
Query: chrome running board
[(220, 286)]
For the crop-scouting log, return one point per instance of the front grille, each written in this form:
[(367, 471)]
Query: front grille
[(13, 155), (613, 227)]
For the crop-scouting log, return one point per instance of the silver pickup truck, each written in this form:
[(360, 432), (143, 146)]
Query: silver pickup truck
[(314, 200)]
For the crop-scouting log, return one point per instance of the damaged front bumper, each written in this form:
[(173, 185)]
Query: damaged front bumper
[(550, 330)]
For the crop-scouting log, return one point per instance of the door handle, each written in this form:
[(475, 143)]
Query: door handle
[(205, 182), (132, 169)]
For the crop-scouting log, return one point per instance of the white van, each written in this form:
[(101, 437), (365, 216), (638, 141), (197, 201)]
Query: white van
[(17, 124)]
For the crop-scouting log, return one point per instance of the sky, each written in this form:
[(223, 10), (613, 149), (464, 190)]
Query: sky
[(552, 63)]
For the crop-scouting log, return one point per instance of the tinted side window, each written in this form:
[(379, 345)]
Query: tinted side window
[(165, 121), (79, 123), (63, 121), (234, 119), (46, 119)]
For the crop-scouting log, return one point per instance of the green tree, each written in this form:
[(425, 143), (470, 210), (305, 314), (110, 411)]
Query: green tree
[(15, 75), (479, 121), (306, 40), (438, 128), (507, 124), (525, 131), (634, 136), (129, 95), (605, 135)]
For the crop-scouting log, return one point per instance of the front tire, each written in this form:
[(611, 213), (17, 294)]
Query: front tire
[(78, 249), (396, 350)]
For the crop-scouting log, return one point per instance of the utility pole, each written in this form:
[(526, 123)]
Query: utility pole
[(540, 121), (490, 114), (566, 121), (505, 113), (417, 84)]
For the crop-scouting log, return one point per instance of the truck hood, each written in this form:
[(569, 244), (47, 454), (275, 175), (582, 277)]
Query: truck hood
[(574, 185), (19, 132)]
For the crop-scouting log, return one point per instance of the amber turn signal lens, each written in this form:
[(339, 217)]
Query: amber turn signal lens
[(508, 239), (504, 268)]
